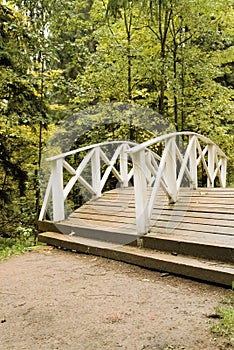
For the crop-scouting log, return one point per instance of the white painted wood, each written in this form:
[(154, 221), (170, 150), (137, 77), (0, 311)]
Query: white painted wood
[(68, 167), (46, 199), (57, 190), (223, 171), (130, 174), (148, 171), (171, 168), (140, 190), (202, 153), (181, 160), (158, 180), (204, 161), (193, 162), (124, 165), (217, 170), (78, 173), (167, 171), (162, 138), (87, 148), (111, 167), (165, 174), (96, 172), (152, 168), (184, 165), (152, 165), (86, 185), (211, 164)]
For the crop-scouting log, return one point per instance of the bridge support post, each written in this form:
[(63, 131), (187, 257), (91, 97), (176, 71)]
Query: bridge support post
[(57, 189), (140, 188), (124, 165), (193, 162), (211, 165), (171, 169), (96, 172), (223, 172)]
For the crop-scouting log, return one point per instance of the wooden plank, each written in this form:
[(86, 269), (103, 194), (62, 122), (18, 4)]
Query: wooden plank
[(199, 213), (91, 210), (68, 227), (184, 191), (177, 229), (171, 216), (195, 227), (99, 224), (206, 200), (166, 212), (201, 208), (104, 217), (195, 237), (107, 222), (195, 214), (202, 200), (178, 206), (206, 220), (192, 194)]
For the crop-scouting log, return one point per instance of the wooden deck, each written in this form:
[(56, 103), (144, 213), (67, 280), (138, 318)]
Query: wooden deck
[(203, 214), (199, 225)]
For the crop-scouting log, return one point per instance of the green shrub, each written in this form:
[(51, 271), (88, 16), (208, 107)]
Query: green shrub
[(16, 245), (225, 324)]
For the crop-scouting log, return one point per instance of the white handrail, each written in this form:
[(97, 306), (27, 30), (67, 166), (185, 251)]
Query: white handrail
[(169, 172), (161, 138), (148, 170), (86, 148), (94, 155)]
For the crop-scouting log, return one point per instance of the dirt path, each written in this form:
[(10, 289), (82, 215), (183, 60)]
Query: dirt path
[(52, 299)]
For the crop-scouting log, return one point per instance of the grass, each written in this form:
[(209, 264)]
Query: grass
[(23, 242), (224, 326), (12, 246)]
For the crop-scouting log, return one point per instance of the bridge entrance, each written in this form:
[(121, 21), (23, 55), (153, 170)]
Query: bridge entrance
[(157, 216)]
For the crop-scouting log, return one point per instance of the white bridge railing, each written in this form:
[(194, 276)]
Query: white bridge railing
[(147, 169), (95, 155), (172, 168)]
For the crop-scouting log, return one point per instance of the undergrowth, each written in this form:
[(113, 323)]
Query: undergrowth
[(224, 325), (19, 244)]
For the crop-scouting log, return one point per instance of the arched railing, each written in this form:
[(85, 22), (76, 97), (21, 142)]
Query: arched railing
[(94, 156), (147, 169), (172, 167)]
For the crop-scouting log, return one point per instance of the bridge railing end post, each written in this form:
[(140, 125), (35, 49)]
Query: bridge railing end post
[(124, 165), (193, 162), (140, 188), (170, 171), (57, 189), (223, 172), (96, 172)]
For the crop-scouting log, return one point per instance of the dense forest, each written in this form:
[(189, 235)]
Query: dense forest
[(57, 58)]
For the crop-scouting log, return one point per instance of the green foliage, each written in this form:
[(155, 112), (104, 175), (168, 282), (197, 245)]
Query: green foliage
[(173, 58), (225, 324), (59, 57), (17, 245)]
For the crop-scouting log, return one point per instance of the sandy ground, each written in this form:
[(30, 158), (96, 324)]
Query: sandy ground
[(52, 299)]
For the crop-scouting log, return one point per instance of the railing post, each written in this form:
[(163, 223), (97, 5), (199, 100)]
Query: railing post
[(170, 171), (223, 172), (124, 166), (148, 156), (193, 162), (211, 163), (140, 188), (96, 172), (57, 189)]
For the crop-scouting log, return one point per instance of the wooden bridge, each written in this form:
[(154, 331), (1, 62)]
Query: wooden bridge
[(156, 216)]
